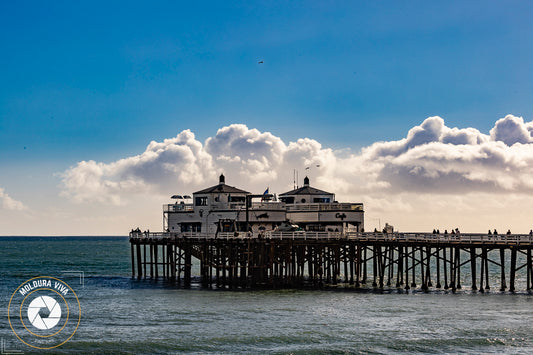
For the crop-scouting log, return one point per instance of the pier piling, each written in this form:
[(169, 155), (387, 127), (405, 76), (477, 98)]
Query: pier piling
[(403, 261)]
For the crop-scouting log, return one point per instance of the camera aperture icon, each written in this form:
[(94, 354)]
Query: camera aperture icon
[(44, 312)]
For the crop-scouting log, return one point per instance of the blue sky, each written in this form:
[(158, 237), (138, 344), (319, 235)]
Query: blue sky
[(100, 80)]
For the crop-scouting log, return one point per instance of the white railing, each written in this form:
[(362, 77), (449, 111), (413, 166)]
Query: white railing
[(268, 205), (178, 207), (188, 207), (445, 238), (473, 238), (231, 206), (325, 207)]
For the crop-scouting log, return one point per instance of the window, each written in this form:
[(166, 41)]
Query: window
[(315, 228), (191, 227), (237, 199), (201, 201), (321, 200), (287, 200)]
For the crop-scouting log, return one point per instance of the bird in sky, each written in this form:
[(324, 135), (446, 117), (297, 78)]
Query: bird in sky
[(260, 62)]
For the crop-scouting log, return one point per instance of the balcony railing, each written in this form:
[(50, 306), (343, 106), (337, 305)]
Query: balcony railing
[(304, 207), (177, 207), (325, 207)]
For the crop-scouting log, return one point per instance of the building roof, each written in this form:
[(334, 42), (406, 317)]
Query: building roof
[(305, 190), (221, 188)]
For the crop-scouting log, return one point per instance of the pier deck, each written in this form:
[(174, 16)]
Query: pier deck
[(332, 259)]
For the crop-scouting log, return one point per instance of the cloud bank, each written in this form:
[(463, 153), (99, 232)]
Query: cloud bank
[(431, 159), (8, 203)]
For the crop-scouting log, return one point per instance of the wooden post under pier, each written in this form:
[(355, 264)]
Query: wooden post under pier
[(298, 260)]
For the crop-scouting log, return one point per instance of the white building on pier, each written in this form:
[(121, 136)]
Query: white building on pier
[(224, 208)]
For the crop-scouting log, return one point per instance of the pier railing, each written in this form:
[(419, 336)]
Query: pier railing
[(470, 238), (314, 259)]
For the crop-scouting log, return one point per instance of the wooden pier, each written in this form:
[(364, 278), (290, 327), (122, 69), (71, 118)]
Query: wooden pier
[(353, 260)]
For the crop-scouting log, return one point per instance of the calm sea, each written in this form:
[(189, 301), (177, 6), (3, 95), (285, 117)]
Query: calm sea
[(125, 316)]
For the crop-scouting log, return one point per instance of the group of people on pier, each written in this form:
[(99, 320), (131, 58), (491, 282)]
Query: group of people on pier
[(454, 231), (495, 232)]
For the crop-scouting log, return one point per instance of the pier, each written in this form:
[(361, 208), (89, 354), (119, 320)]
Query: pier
[(300, 259)]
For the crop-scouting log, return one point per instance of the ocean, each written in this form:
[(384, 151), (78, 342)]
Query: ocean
[(121, 315)]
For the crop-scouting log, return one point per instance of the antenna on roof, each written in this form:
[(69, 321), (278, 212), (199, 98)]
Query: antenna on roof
[(294, 179)]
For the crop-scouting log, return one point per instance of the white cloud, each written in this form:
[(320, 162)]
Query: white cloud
[(432, 159), (511, 130), (8, 203), (161, 167), (246, 152)]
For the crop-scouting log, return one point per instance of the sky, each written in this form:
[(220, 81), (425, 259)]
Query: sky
[(420, 110)]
